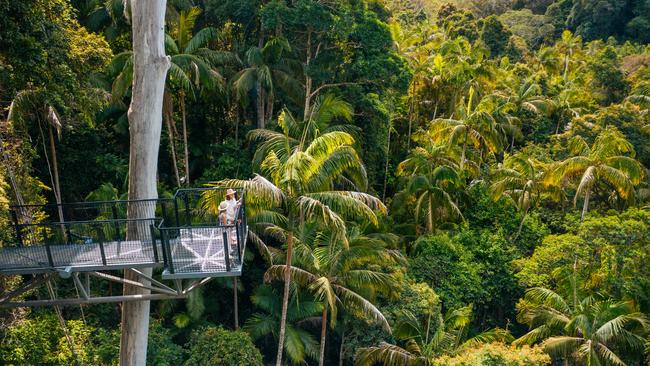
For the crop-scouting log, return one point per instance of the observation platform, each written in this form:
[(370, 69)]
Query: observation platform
[(182, 235)]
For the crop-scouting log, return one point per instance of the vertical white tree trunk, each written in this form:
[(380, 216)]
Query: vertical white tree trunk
[(150, 65)]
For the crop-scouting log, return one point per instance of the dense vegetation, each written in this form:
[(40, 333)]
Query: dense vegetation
[(442, 184)]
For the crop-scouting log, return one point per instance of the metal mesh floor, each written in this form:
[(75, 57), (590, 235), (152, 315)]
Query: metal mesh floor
[(120, 254), (201, 251)]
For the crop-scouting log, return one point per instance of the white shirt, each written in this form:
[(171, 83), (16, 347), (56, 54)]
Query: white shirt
[(231, 209)]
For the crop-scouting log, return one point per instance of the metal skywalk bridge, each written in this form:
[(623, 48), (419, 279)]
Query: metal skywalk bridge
[(185, 242)]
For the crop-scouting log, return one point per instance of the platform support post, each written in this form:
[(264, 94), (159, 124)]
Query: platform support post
[(226, 250)]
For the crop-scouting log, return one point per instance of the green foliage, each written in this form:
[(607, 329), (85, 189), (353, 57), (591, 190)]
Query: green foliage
[(161, 350), (448, 268), (608, 79), (589, 330), (218, 346), (497, 354), (495, 36), (606, 254), (458, 23), (533, 28), (41, 341)]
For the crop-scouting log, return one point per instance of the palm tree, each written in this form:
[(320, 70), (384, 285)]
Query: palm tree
[(527, 96), (296, 134), (336, 272), (521, 180), (34, 104), (475, 126), (266, 68), (433, 180), (193, 64), (423, 345), (299, 343), (300, 182), (411, 44), (568, 46), (591, 332), (192, 70), (604, 161)]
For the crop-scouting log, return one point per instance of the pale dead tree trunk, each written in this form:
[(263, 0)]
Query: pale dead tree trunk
[(150, 65)]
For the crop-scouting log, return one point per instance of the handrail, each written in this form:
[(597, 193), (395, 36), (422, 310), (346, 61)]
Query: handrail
[(107, 221), (93, 202), (84, 203)]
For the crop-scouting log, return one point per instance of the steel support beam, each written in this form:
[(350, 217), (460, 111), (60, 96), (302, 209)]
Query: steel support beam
[(133, 283), (34, 282), (91, 300)]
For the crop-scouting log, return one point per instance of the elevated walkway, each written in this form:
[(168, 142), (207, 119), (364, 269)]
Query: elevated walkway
[(182, 235)]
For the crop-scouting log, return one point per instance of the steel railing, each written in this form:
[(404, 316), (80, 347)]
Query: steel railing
[(99, 234)]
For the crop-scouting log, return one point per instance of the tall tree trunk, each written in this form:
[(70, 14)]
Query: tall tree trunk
[(585, 205), (383, 197), (285, 298), (269, 108), (411, 113), (187, 155), (55, 173), (430, 216), (150, 65), (235, 302), (259, 104), (341, 351), (308, 79), (168, 113), (462, 155), (323, 335), (521, 224)]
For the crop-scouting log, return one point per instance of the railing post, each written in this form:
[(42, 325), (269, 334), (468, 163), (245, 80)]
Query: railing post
[(17, 227), (163, 208), (226, 249), (67, 235), (178, 220), (116, 224), (48, 250), (237, 231), (153, 242), (163, 245), (100, 237), (167, 249), (188, 219)]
